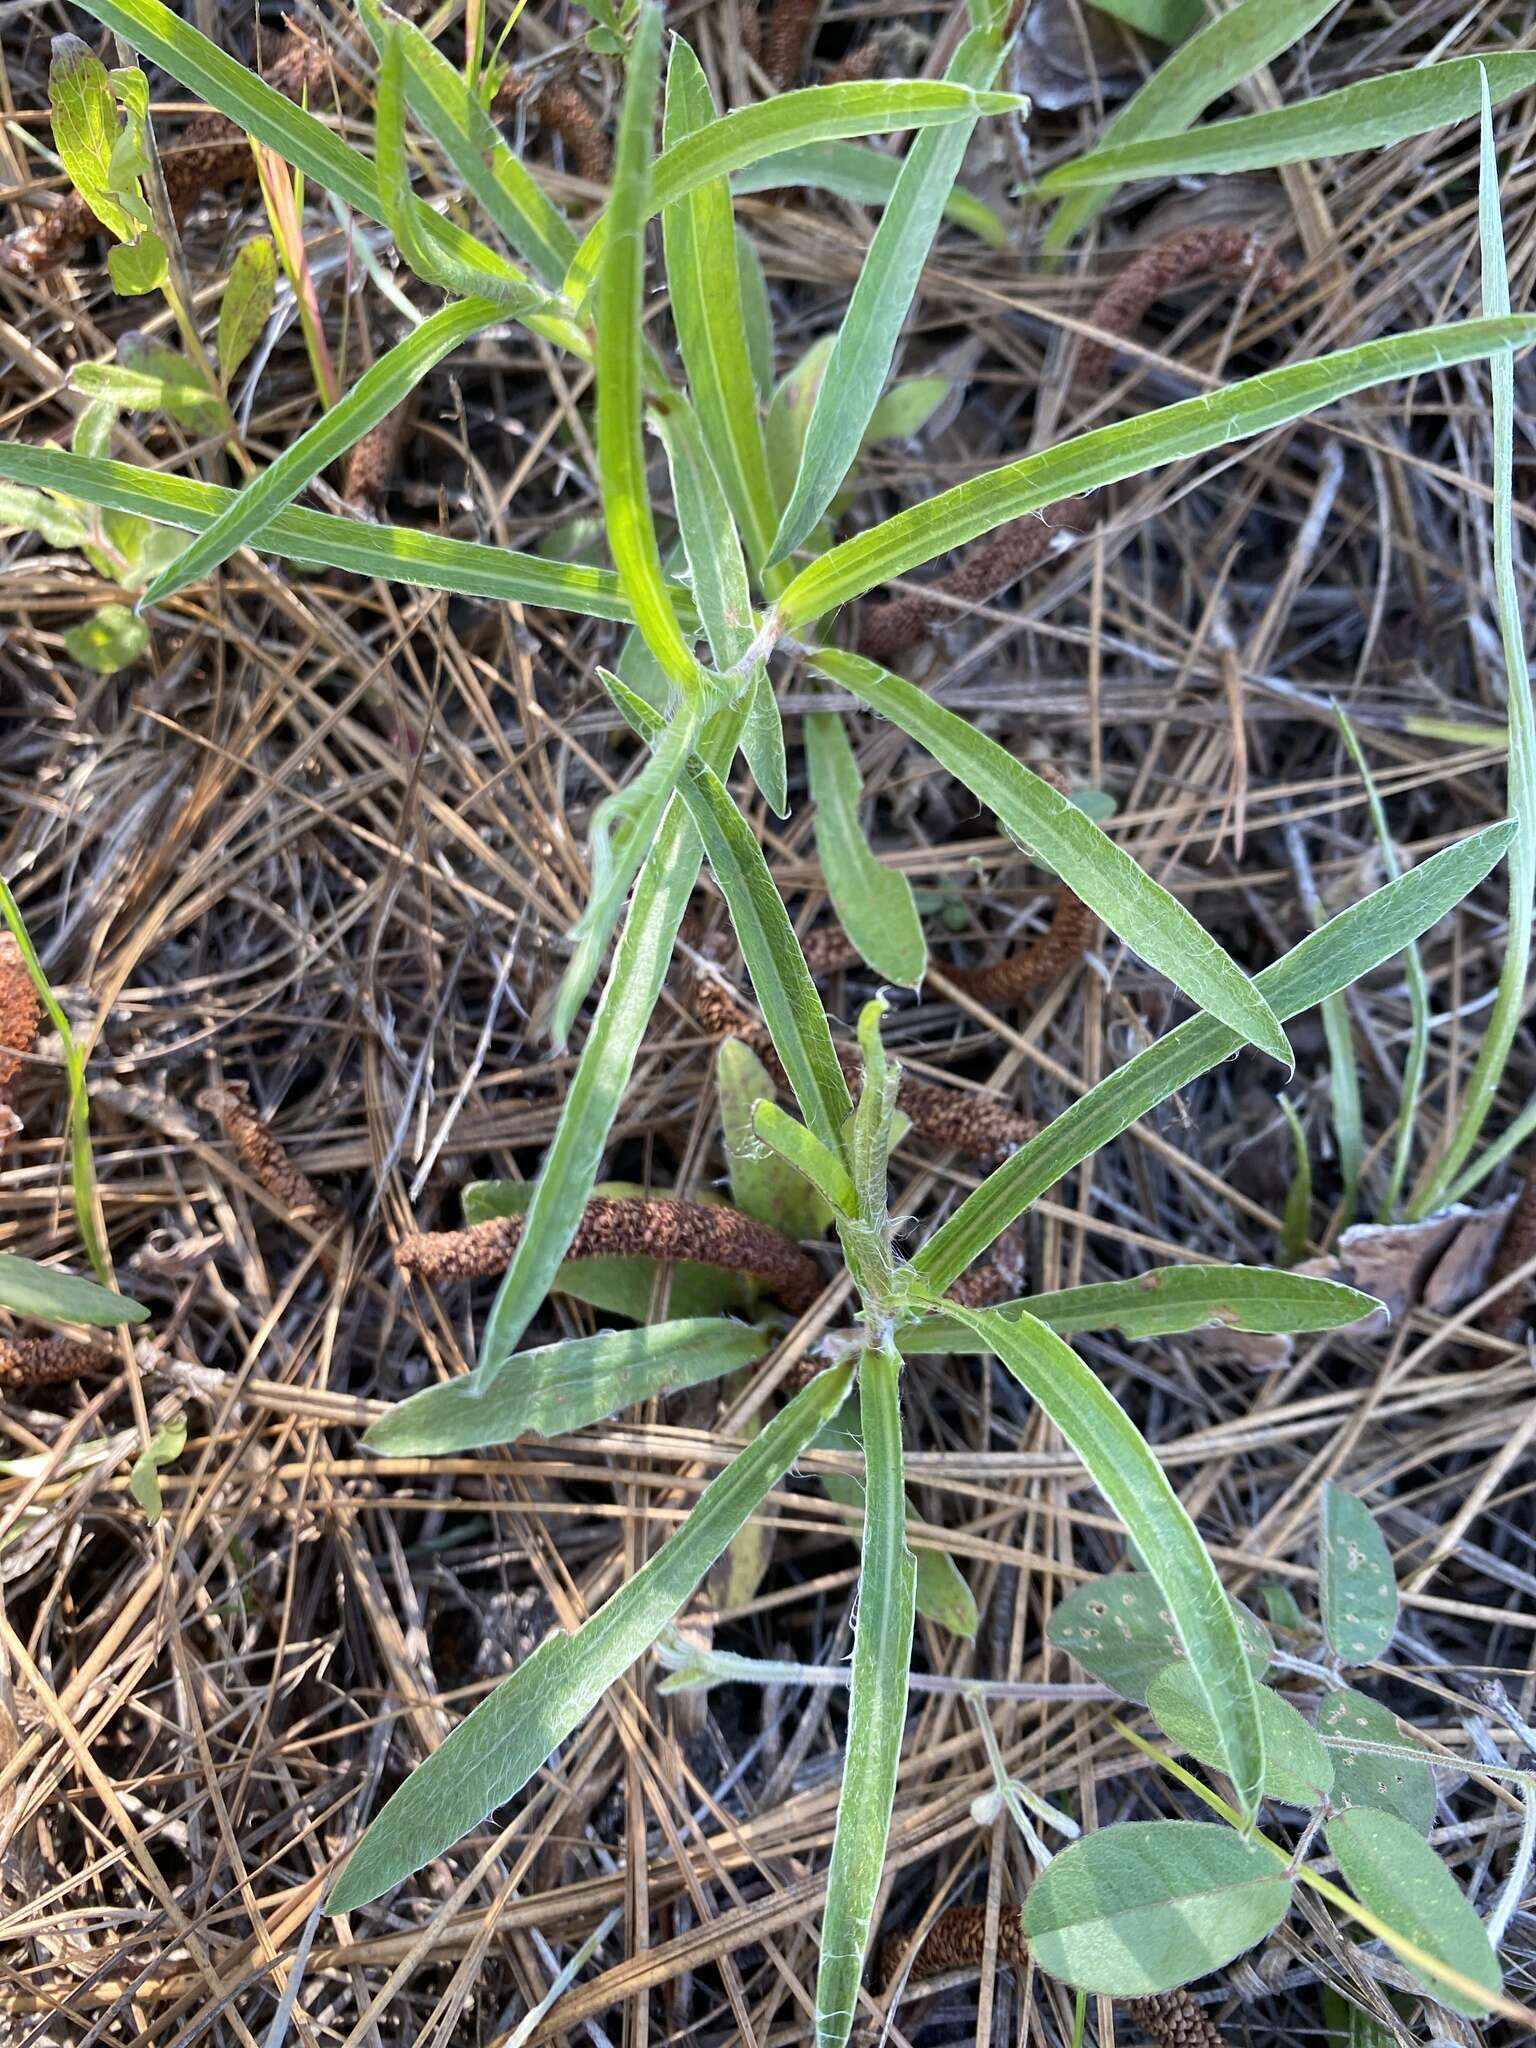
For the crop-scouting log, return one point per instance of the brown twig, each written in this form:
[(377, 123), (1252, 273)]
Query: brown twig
[(212, 153), (265, 1158), (628, 1226), (44, 1361), (1232, 254), (887, 630)]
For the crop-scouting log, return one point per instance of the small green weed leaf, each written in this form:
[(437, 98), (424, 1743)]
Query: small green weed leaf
[(85, 128), (1371, 115), (762, 744), (1132, 447), (1156, 1521), (1226, 49), (1385, 1784), (873, 903), (1351, 945), (763, 1183), (619, 1286), (861, 355), (906, 409), (882, 1649), (375, 394), (1137, 909), (163, 1448), (1353, 2028), (138, 267), (943, 1596), (1169, 1300), (562, 1387), (492, 1754), (34, 512), (1281, 1608), (1298, 1771), (247, 303), (108, 640), (93, 429), (1121, 1630), (1396, 1874), (1136, 1909), (28, 1289), (1359, 1587), (1296, 1223), (819, 1169), (851, 170), (154, 380)]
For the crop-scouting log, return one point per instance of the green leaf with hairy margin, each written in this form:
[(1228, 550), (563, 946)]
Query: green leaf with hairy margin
[(85, 128), (861, 355), (28, 1289), (247, 303), (1298, 1771), (1350, 945), (372, 398), (882, 1649), (764, 1182), (1358, 1585), (1129, 448), (492, 1754), (1137, 909), (874, 904), (562, 1387), (1397, 1875), (821, 1171), (762, 744), (851, 170), (398, 554), (1137, 1488), (717, 568), (1169, 1300), (757, 315), (1136, 1909), (1230, 47)]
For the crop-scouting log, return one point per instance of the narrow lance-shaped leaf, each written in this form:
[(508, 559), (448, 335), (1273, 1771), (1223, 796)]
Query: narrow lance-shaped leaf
[(867, 176), (1128, 448), (882, 1649), (374, 396), (874, 904), (861, 355), (620, 366), (764, 1182), (1349, 946), (1230, 46), (1137, 909), (803, 1151), (561, 1387), (492, 1754), (396, 553), (717, 568), (1138, 1490), (247, 303), (1358, 1584), (28, 1289)]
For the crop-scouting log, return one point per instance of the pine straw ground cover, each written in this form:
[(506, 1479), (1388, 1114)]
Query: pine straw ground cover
[(322, 843)]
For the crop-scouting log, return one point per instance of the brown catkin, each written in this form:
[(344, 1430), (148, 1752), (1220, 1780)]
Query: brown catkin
[(628, 1226), (1073, 929), (999, 1277), (211, 153), (887, 630), (1174, 2020), (21, 1012), (44, 1361), (370, 465), (786, 39), (562, 109), (264, 1158), (1233, 254)]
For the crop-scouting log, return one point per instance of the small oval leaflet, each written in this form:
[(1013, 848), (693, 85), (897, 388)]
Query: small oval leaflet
[(1139, 1908), (1359, 1588), (1298, 1771), (1388, 1784), (1120, 1631), (1399, 1877)]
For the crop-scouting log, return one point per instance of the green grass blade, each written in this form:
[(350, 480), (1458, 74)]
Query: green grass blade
[(396, 553), (493, 1753), (1137, 1488), (1129, 448), (1509, 999), (28, 1289), (372, 398), (861, 355), (444, 102), (882, 1650), (874, 904), (561, 1387), (704, 281), (1137, 909), (1352, 944), (1166, 1302), (1231, 46), (621, 366), (1371, 115), (851, 170)]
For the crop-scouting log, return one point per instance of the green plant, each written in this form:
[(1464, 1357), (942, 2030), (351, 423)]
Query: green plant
[(742, 525)]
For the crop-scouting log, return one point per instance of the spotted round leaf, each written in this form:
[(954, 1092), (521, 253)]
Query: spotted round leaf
[(1121, 1632), (1359, 1587), (1388, 1784)]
